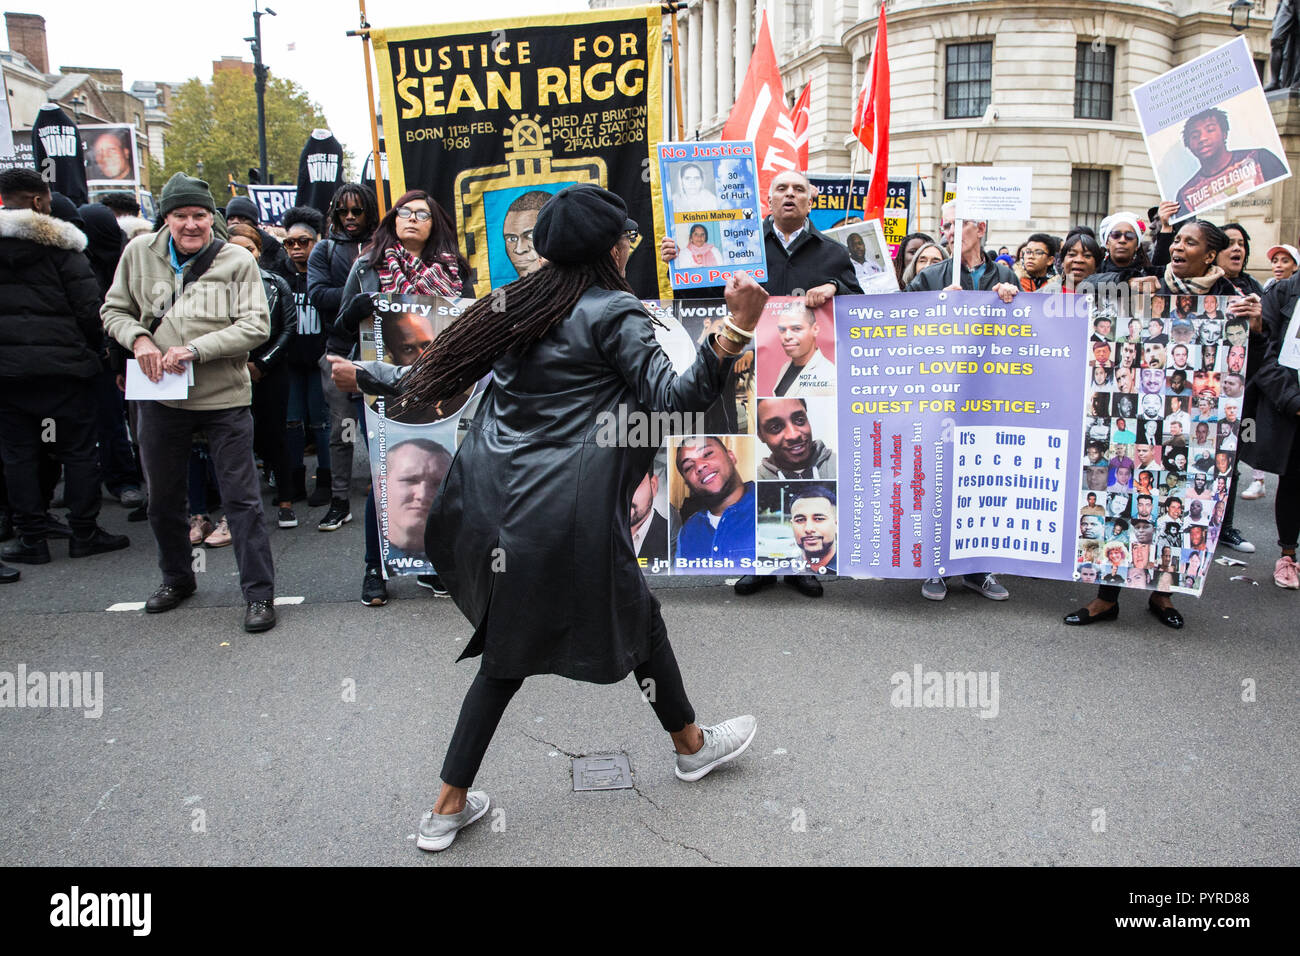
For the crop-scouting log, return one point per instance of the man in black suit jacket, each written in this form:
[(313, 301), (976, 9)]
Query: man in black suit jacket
[(649, 527)]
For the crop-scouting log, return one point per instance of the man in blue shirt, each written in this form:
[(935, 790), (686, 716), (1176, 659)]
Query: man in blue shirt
[(724, 525)]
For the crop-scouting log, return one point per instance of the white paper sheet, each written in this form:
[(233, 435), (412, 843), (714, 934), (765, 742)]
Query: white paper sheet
[(172, 386)]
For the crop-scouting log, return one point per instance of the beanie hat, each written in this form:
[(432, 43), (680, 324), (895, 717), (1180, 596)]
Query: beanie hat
[(579, 224), (181, 191), (243, 206)]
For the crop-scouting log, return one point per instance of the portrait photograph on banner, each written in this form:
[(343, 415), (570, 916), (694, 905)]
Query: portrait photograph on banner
[(410, 445), (873, 263), (1209, 131), (111, 155)]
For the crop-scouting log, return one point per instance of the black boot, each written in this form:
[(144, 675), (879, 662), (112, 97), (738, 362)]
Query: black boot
[(9, 575), (6, 526)]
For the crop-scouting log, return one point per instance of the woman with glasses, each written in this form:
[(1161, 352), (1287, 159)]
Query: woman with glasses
[(413, 252), (351, 219)]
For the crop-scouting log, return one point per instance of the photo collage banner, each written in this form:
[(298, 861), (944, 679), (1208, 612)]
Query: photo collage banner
[(900, 436)]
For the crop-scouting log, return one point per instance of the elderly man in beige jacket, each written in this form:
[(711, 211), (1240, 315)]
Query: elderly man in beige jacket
[(182, 299)]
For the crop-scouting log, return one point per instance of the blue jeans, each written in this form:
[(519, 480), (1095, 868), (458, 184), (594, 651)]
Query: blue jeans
[(306, 411)]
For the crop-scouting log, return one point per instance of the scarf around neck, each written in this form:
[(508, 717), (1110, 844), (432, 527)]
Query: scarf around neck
[(1200, 285), (405, 274)]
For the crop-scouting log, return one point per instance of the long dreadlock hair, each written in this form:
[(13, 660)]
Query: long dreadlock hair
[(514, 317)]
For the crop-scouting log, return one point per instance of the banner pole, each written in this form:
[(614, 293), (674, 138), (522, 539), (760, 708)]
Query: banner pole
[(370, 108), (853, 172), (671, 9)]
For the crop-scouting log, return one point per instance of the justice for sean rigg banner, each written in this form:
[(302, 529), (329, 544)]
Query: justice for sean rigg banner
[(492, 118)]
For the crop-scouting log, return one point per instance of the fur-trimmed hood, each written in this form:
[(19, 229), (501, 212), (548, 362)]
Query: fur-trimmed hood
[(134, 226), (44, 230)]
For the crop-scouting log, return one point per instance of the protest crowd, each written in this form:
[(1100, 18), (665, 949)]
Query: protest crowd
[(73, 293), (213, 373)]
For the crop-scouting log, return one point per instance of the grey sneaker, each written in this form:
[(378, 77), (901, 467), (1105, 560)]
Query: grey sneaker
[(722, 742), (438, 830), (934, 589), (987, 585)]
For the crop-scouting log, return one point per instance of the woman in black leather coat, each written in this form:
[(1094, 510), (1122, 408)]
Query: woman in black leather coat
[(530, 529)]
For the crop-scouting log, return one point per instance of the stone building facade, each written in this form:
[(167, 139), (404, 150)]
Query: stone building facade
[(982, 82)]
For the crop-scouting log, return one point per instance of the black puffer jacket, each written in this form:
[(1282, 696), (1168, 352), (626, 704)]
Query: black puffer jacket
[(49, 300), (284, 323), (327, 273), (1273, 392)]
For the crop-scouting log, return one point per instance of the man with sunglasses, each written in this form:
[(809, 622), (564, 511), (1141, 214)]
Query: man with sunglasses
[(353, 215)]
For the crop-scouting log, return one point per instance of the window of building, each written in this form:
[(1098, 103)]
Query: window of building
[(798, 22), (1089, 197), (968, 79), (1094, 81)]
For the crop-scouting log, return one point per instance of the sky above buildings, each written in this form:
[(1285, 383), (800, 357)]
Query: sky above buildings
[(164, 40)]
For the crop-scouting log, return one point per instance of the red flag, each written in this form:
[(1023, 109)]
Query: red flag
[(760, 115), (871, 122), (802, 117)]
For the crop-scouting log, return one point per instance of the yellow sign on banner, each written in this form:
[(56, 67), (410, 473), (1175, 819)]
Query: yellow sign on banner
[(492, 118)]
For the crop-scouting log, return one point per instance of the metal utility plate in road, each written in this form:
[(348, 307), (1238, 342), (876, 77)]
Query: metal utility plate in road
[(605, 772)]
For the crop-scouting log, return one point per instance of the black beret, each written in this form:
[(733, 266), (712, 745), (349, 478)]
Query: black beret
[(579, 224)]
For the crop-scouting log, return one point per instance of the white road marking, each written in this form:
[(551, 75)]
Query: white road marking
[(126, 606)]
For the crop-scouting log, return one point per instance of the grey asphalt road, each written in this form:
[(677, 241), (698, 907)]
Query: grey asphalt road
[(1121, 743)]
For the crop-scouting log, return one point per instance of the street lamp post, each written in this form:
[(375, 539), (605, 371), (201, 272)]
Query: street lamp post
[(259, 73)]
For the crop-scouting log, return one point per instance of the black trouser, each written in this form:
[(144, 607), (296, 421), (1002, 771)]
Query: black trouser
[(1231, 508), (166, 435), (270, 411), (1286, 503), (117, 462), (487, 698), (37, 415)]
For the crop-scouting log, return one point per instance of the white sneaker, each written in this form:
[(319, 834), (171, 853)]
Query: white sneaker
[(1255, 491), (438, 830), (722, 742)]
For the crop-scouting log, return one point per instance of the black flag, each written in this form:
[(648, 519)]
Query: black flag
[(58, 152), (320, 170)]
